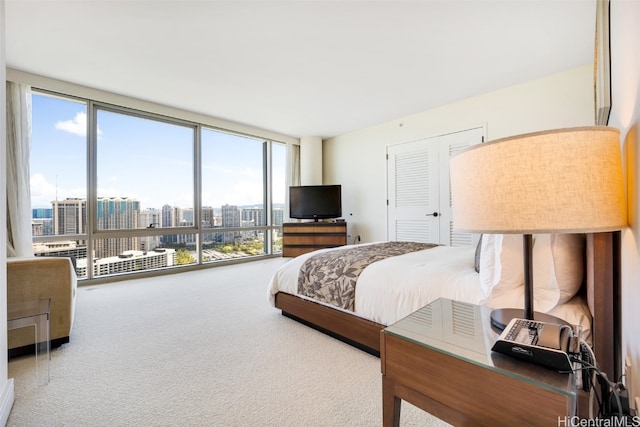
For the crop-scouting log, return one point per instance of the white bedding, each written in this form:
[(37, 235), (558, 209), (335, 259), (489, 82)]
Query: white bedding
[(393, 288)]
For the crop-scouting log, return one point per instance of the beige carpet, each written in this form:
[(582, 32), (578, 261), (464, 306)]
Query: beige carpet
[(201, 348)]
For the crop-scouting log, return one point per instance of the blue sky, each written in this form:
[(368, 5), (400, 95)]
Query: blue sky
[(144, 159)]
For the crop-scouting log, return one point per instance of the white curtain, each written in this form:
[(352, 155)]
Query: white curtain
[(294, 164), (293, 174), (18, 191)]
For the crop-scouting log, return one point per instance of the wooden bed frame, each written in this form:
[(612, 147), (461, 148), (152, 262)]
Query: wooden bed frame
[(602, 287)]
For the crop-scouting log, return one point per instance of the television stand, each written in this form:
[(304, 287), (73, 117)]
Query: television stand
[(301, 237)]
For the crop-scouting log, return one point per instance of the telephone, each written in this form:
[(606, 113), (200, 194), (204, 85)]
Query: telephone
[(542, 343)]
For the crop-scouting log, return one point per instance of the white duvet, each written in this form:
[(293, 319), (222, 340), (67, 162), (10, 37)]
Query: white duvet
[(390, 289), (393, 288)]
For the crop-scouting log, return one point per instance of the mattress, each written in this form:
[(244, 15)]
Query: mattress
[(391, 289)]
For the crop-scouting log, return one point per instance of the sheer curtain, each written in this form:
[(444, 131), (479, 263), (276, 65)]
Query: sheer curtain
[(18, 191), (293, 173)]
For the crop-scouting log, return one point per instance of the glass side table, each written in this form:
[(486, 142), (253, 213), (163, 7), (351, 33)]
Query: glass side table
[(439, 359), (34, 314)]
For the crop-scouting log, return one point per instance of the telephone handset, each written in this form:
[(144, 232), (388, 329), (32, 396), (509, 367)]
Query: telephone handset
[(552, 335), (541, 343)]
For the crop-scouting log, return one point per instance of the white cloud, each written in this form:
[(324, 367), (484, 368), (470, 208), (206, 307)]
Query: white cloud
[(75, 126), (44, 192)]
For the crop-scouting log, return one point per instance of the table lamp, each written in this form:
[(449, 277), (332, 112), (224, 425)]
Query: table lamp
[(557, 181)]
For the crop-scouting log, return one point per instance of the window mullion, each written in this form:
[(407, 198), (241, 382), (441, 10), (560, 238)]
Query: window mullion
[(197, 190), (92, 186), (268, 204)]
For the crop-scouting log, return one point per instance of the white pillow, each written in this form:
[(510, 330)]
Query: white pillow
[(558, 269), (501, 263)]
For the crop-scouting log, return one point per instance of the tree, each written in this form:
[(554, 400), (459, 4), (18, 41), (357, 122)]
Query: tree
[(184, 257)]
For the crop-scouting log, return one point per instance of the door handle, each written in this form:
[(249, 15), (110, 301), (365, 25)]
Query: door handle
[(435, 214)]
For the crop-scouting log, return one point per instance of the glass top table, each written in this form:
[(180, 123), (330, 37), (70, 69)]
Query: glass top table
[(34, 313), (463, 331)]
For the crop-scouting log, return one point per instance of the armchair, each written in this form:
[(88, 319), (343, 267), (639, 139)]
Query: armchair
[(36, 278)]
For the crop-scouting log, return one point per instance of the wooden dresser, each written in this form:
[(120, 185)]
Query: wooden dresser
[(302, 237)]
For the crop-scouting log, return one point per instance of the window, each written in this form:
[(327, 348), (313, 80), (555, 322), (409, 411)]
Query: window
[(233, 190), (58, 176), (141, 179), (142, 165)]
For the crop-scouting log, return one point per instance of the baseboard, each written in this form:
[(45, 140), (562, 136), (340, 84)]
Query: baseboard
[(6, 402)]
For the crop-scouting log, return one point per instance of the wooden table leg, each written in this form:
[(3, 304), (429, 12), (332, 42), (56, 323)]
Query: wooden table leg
[(390, 404)]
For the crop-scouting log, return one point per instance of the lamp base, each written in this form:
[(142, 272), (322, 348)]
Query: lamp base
[(501, 317)]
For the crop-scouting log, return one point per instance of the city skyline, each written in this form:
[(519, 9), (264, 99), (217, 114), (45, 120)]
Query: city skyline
[(37, 211), (145, 169), (58, 159), (68, 217)]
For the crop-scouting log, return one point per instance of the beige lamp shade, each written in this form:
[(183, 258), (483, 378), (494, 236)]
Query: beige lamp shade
[(564, 180)]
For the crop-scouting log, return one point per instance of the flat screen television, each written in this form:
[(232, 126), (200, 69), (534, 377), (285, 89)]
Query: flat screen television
[(315, 202)]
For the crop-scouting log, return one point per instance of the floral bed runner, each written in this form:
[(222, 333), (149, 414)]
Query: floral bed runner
[(331, 277)]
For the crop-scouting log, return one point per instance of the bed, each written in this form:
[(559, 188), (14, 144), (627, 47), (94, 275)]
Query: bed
[(580, 283)]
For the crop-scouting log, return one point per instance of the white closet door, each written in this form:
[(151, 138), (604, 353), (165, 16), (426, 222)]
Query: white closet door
[(450, 145), (418, 190), (412, 191)]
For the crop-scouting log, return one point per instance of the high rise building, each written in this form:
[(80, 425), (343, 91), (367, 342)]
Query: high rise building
[(186, 216), (65, 248), (41, 227), (231, 218), (168, 218), (278, 216), (207, 218), (253, 217), (69, 216), (150, 218), (41, 213), (116, 213), (129, 261), (186, 220)]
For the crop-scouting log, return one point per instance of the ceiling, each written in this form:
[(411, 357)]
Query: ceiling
[(299, 68)]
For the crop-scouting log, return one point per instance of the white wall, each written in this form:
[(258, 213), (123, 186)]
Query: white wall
[(625, 115), (311, 160), (357, 160), (69, 88), (6, 385)]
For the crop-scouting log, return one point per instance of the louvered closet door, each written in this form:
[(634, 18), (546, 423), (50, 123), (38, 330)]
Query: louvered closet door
[(418, 190), (450, 145), (412, 180)]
